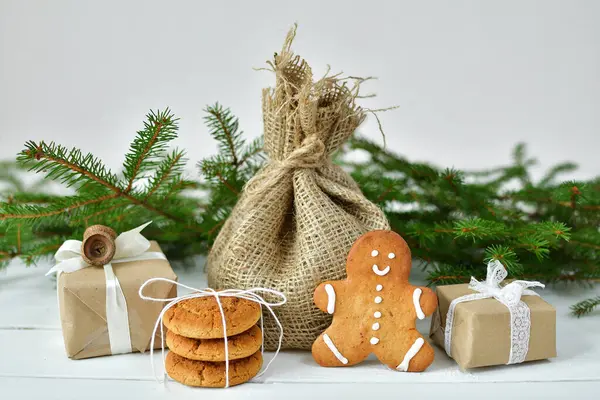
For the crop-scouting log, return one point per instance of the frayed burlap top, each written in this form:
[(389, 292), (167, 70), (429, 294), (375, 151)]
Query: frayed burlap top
[(298, 217)]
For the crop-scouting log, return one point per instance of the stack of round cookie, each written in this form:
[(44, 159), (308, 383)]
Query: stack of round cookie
[(195, 338)]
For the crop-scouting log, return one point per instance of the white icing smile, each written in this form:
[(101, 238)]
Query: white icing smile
[(379, 271)]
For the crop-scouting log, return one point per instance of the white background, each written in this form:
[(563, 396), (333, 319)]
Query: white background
[(471, 78)]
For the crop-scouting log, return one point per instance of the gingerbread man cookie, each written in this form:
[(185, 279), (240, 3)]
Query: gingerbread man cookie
[(375, 308)]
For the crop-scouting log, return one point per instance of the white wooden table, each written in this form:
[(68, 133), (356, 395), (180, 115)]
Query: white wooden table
[(33, 363)]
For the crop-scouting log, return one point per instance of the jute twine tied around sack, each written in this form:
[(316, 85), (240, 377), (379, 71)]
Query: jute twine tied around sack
[(298, 217)]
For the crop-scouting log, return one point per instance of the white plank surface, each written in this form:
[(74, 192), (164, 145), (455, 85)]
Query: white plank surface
[(32, 359), (92, 389)]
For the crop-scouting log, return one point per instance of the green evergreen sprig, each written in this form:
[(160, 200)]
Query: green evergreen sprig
[(34, 225), (586, 306), (226, 173), (455, 221)]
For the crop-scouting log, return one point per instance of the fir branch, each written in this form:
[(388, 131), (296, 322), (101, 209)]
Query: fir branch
[(573, 204), (536, 245), (226, 184), (224, 127), (477, 228), (175, 187), (67, 204), (85, 219), (384, 194), (170, 168), (453, 177), (585, 307), (41, 252), (584, 244), (149, 145), (559, 169), (506, 256), (454, 221), (31, 198), (252, 150), (522, 163), (100, 195), (217, 169), (70, 167)]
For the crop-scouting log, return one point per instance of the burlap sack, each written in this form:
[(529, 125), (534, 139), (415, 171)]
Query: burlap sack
[(298, 217)]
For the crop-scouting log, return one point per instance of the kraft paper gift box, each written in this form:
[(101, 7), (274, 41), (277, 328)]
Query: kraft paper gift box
[(481, 332), (82, 302)]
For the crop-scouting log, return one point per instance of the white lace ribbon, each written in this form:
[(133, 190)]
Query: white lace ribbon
[(130, 246), (249, 294), (510, 296)]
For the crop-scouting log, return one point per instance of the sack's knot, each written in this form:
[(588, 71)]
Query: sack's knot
[(311, 154)]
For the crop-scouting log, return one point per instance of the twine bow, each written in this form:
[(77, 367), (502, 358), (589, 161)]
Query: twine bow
[(253, 294), (311, 154), (130, 246), (510, 296)]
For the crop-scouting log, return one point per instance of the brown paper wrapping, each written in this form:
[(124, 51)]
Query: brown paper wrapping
[(481, 329), (82, 302)]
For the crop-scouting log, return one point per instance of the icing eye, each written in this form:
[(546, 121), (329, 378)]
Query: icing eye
[(374, 253), (391, 255)]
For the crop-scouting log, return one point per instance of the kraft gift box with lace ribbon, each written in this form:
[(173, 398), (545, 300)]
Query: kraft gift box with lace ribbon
[(494, 324)]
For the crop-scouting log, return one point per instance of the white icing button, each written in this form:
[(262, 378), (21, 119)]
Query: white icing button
[(374, 340), (375, 326), (377, 314), (378, 288), (378, 299), (374, 253), (391, 255)]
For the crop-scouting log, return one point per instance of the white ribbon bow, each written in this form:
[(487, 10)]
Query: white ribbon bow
[(130, 246), (510, 296), (249, 294)]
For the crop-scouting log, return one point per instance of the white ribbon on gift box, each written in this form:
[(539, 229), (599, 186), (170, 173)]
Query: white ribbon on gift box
[(130, 246), (510, 296), (249, 294)]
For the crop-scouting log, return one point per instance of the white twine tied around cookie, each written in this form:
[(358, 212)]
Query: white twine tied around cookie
[(249, 294), (128, 246), (510, 296)]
